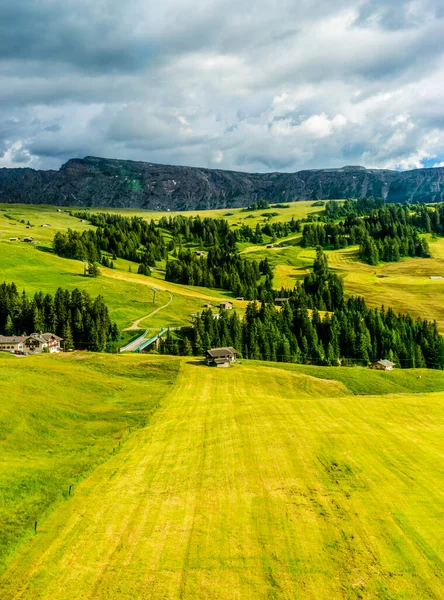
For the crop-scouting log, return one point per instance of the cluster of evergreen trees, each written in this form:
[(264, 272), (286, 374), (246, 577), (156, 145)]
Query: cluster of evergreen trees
[(206, 232), (131, 238), (222, 269), (83, 322), (209, 232), (76, 245), (385, 233), (297, 333), (391, 249), (259, 205), (335, 210)]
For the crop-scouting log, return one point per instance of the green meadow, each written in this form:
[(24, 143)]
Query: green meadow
[(129, 295), (258, 481), (60, 417), (158, 477), (405, 285)]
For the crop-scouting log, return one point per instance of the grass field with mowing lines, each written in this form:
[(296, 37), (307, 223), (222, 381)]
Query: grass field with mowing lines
[(61, 416), (255, 482), (405, 285)]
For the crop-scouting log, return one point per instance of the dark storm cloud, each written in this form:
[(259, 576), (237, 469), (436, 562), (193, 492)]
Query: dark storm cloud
[(91, 36), (224, 83)]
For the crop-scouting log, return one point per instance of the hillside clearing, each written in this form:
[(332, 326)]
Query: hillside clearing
[(405, 285)]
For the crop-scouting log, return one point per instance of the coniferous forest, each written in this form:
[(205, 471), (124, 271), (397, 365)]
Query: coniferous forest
[(347, 333), (131, 238), (83, 322), (316, 324), (222, 269), (386, 233)]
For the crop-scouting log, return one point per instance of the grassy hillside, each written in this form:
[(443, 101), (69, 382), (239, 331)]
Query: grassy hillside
[(404, 285), (235, 216), (258, 483), (128, 295), (59, 418), (363, 381)]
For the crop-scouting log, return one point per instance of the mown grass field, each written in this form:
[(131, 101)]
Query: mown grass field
[(61, 416), (255, 482)]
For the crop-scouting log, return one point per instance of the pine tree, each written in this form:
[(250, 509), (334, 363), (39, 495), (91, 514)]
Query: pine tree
[(9, 326), (114, 333), (68, 341), (37, 320), (186, 348)]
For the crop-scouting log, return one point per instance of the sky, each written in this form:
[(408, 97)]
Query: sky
[(229, 84)]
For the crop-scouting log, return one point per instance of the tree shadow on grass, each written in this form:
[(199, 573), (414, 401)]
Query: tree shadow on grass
[(45, 249)]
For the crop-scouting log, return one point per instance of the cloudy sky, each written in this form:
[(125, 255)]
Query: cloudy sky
[(233, 84)]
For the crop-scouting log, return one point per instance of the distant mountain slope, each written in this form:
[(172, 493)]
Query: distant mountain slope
[(122, 183)]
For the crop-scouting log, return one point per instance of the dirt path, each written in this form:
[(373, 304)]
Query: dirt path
[(135, 325), (174, 288)]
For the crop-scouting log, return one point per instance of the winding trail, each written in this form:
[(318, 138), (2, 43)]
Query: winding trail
[(135, 325)]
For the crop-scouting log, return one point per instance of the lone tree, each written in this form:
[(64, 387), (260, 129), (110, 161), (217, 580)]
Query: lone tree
[(92, 270)]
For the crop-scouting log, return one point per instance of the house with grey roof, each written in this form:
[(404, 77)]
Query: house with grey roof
[(42, 342), (221, 357), (12, 343)]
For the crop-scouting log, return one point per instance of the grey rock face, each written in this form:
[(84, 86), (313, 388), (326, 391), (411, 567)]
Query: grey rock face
[(122, 183)]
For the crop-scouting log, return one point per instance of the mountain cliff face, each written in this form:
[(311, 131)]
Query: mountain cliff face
[(122, 183)]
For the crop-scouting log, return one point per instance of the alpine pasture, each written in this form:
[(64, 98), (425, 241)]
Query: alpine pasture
[(61, 416), (128, 295), (254, 482), (405, 285), (136, 476)]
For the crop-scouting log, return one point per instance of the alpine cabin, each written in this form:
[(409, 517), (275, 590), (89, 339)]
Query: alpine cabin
[(221, 357), (382, 365)]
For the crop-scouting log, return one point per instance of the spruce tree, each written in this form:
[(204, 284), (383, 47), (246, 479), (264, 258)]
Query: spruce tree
[(68, 341), (9, 326)]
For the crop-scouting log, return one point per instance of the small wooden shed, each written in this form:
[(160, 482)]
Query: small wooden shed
[(383, 365)]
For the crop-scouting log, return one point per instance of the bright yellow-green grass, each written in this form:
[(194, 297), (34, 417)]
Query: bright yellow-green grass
[(256, 482), (405, 285), (60, 417), (37, 216), (235, 216), (40, 214), (128, 295)]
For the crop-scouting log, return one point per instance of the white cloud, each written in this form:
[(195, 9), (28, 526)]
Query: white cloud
[(222, 84), (217, 157)]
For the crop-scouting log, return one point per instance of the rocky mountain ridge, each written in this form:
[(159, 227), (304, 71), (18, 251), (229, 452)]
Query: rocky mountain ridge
[(116, 183)]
